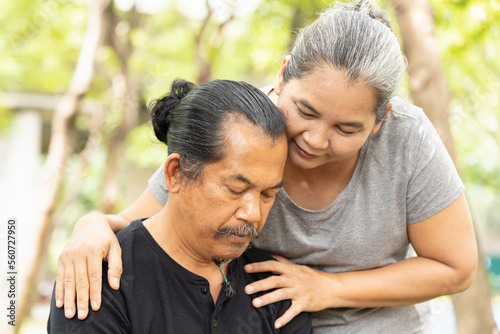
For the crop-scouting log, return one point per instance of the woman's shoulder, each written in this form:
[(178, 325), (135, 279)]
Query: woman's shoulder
[(405, 121), (403, 110), (402, 135)]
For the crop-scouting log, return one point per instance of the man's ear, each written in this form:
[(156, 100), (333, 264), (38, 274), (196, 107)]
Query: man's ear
[(173, 175), (280, 78), (377, 126)]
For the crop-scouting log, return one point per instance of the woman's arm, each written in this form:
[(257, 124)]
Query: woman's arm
[(446, 264), (79, 267)]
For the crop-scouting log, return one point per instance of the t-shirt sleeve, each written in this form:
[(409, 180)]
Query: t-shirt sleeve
[(433, 181), (158, 186), (109, 319)]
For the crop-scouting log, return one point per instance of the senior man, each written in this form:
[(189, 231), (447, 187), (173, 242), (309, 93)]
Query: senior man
[(183, 268)]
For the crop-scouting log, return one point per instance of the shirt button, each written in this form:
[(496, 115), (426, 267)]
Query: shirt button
[(214, 323), (204, 290)]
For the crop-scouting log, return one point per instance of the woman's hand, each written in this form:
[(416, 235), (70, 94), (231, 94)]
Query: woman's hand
[(79, 268), (301, 284)]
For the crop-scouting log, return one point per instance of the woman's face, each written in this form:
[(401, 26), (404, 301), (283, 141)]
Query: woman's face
[(327, 120)]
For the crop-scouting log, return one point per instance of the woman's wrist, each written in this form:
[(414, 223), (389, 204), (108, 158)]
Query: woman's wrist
[(117, 222)]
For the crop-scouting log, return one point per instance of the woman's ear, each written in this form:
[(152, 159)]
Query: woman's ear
[(173, 175), (377, 126), (280, 78)]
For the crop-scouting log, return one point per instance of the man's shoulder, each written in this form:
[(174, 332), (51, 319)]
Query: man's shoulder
[(132, 233), (137, 247), (254, 254)]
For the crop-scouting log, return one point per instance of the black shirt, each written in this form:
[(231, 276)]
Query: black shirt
[(157, 295)]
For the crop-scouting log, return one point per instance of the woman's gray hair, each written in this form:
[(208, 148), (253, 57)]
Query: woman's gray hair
[(356, 38)]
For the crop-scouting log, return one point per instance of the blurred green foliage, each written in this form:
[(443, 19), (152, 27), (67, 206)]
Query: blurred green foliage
[(468, 35)]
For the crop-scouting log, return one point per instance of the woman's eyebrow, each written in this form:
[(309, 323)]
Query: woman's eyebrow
[(306, 104)]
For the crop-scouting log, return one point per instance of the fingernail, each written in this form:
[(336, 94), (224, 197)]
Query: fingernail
[(278, 325), (94, 305), (257, 302), (116, 282), (249, 289), (81, 314), (59, 303), (248, 267), (68, 312)]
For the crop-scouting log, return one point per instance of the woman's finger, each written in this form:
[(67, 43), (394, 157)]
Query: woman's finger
[(95, 280), (82, 288), (275, 267), (59, 289), (69, 290), (115, 267), (271, 297), (291, 313), (271, 282)]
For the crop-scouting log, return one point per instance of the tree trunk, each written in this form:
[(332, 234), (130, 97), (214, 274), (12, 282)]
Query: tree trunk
[(204, 66), (124, 93), (60, 148), (429, 91), (204, 50)]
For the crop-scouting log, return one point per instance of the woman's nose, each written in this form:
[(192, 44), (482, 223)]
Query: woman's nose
[(316, 138)]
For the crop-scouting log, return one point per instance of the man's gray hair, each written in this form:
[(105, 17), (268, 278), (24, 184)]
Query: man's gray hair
[(356, 38)]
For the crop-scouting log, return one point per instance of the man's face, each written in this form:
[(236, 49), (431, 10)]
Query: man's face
[(232, 197)]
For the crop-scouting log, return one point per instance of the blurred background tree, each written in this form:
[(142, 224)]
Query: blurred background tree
[(111, 150)]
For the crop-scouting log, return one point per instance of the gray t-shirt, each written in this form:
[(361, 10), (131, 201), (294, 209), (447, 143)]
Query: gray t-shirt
[(403, 175)]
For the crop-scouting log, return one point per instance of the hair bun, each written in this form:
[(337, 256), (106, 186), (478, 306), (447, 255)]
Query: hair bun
[(368, 8), (161, 110)]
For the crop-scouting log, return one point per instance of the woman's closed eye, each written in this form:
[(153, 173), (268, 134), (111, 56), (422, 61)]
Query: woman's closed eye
[(304, 114), (343, 131)]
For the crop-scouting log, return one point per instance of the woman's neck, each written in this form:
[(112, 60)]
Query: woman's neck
[(317, 188)]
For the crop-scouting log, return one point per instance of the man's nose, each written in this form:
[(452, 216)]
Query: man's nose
[(249, 209)]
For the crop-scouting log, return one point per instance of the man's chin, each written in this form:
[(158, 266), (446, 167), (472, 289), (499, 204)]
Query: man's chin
[(234, 251)]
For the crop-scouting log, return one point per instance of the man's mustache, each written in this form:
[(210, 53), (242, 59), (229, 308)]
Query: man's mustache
[(244, 230)]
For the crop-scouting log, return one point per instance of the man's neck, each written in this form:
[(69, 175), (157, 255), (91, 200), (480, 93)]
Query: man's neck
[(176, 245)]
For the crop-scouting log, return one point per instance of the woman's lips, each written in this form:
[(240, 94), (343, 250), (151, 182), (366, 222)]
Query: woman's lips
[(303, 153)]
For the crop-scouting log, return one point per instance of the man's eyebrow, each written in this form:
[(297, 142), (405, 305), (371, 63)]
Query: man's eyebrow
[(278, 185), (242, 178), (350, 124)]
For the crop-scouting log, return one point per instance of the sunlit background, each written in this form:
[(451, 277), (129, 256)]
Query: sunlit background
[(149, 43)]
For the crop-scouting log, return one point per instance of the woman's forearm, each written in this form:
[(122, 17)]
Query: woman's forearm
[(117, 222), (406, 282)]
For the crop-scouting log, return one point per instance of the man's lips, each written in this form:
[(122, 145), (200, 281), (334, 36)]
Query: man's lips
[(303, 153), (239, 238)]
